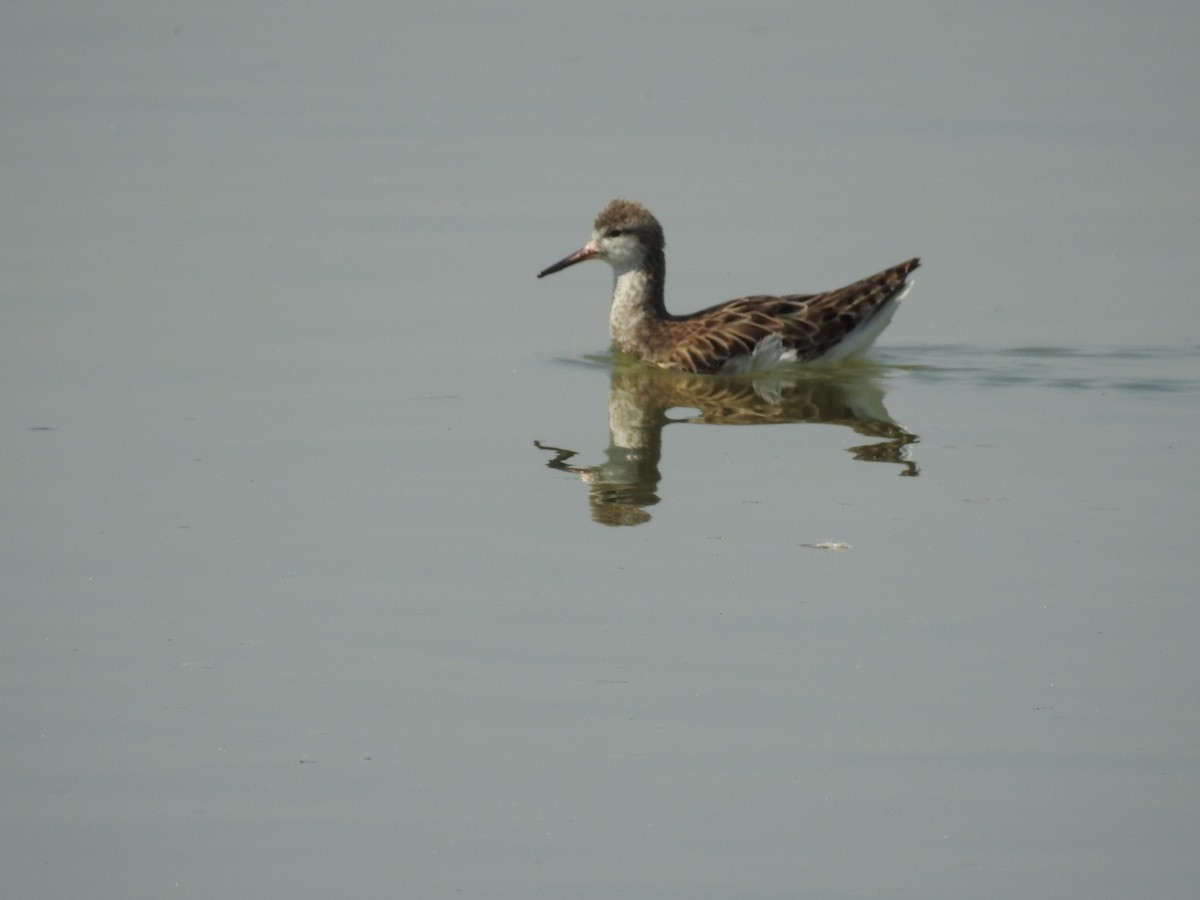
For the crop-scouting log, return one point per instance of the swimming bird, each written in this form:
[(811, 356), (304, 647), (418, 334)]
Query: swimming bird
[(742, 335)]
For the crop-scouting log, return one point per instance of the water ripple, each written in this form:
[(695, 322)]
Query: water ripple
[(1150, 370)]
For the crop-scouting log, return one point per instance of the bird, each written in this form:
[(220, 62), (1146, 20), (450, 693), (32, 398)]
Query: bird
[(747, 334)]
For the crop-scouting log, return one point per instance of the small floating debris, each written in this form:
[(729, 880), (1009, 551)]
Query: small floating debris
[(828, 545)]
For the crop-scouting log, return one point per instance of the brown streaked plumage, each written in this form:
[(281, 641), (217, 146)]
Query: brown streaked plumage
[(739, 335)]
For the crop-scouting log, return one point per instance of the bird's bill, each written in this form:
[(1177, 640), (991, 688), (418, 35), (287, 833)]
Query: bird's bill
[(586, 252)]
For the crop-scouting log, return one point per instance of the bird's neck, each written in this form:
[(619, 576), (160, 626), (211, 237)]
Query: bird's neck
[(637, 302)]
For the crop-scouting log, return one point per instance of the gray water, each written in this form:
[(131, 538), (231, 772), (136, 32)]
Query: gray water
[(340, 559)]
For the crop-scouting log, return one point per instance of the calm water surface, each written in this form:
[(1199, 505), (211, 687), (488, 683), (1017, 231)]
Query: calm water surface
[(340, 559)]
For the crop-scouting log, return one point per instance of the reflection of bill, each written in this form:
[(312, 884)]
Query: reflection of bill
[(641, 401)]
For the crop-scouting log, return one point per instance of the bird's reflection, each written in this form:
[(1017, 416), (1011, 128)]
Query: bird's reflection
[(641, 401)]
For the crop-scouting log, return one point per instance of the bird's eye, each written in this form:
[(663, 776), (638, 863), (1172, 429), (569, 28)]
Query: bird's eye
[(615, 232)]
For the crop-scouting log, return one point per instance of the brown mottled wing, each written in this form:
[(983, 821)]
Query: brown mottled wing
[(810, 324), (827, 319), (705, 341)]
